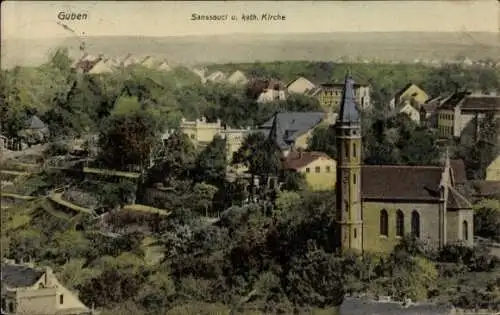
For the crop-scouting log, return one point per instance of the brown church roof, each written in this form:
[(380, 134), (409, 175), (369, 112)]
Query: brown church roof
[(458, 167), (401, 182), (297, 160), (457, 201)]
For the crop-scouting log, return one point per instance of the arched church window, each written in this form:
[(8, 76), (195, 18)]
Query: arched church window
[(384, 223), (354, 150), (400, 223), (415, 223), (346, 150), (465, 230)]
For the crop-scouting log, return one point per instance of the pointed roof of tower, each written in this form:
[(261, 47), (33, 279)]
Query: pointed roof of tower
[(348, 109), (274, 132)]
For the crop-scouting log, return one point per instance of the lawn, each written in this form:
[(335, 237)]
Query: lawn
[(147, 209)]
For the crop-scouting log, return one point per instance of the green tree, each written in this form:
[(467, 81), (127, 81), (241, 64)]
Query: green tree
[(323, 139), (487, 219), (176, 160), (211, 163), (128, 139), (203, 194), (314, 280)]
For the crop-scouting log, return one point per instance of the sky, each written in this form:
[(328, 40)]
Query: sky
[(38, 19)]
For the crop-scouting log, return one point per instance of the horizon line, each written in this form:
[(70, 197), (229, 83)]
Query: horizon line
[(253, 33)]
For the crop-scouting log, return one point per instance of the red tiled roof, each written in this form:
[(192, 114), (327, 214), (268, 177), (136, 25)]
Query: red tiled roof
[(401, 182), (296, 160)]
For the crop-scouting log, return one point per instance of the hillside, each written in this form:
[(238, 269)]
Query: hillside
[(404, 46)]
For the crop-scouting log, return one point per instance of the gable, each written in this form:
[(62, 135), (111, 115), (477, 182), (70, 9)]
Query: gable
[(300, 85), (414, 92), (495, 164)]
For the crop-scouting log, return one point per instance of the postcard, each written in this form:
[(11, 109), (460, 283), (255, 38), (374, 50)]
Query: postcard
[(250, 157)]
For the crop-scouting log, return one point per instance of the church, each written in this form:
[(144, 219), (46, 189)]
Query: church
[(377, 205)]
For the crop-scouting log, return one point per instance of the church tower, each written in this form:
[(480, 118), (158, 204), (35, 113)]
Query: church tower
[(349, 215)]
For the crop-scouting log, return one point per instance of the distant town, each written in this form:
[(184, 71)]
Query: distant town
[(140, 185)]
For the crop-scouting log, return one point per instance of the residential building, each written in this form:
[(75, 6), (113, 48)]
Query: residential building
[(493, 170), (217, 76), (234, 139), (460, 115), (35, 131), (428, 111), (128, 60), (86, 64), (273, 90), (318, 168), (237, 78), (377, 205), (149, 62), (164, 66), (330, 95), (101, 66), (270, 95), (300, 85), (292, 130), (200, 131), (407, 109), (201, 73), (28, 290), (411, 93)]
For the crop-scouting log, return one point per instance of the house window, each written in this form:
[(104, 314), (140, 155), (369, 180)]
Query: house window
[(354, 149), (465, 230), (328, 169), (308, 170), (355, 233), (400, 223), (61, 299), (11, 307), (415, 223), (384, 223), (346, 150), (317, 169), (354, 178)]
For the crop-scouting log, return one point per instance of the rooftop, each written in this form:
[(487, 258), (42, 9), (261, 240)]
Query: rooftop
[(348, 108), (290, 125), (19, 276), (470, 102), (297, 160), (413, 182)]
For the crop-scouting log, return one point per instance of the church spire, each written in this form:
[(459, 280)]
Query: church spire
[(348, 110)]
